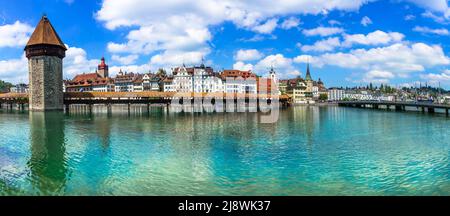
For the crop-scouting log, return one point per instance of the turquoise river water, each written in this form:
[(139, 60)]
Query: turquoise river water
[(309, 151)]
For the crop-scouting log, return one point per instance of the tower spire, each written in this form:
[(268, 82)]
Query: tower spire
[(308, 73)]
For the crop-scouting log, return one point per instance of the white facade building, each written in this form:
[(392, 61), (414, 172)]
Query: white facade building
[(205, 81), (336, 94), (240, 85), (182, 81)]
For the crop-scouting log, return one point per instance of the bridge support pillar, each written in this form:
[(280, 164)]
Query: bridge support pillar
[(129, 108), (446, 112), (67, 106), (148, 108), (11, 105), (90, 108), (422, 109)]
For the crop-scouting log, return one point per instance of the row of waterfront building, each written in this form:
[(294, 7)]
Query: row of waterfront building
[(203, 79), (197, 79), (182, 79)]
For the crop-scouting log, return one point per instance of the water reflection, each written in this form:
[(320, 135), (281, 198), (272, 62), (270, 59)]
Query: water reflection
[(309, 151), (47, 164)]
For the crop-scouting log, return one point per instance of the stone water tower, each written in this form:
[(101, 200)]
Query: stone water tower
[(45, 52)]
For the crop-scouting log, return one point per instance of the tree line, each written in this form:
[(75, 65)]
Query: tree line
[(5, 86)]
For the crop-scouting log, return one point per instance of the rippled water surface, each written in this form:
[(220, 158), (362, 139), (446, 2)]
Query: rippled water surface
[(309, 151)]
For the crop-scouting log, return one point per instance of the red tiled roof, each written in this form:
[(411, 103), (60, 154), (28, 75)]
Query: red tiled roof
[(237, 73), (86, 77)]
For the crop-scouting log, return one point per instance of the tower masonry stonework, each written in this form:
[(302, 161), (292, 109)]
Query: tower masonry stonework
[(45, 52)]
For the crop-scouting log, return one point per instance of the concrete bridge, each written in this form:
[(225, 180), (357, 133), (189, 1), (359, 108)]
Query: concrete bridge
[(20, 101), (398, 106)]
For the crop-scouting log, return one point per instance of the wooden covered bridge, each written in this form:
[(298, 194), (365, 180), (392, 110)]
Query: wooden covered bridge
[(20, 100)]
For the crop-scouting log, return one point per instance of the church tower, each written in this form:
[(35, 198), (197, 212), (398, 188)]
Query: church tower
[(273, 75), (309, 81), (308, 73), (103, 70), (45, 52)]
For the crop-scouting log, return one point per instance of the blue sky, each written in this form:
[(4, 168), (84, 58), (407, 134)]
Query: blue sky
[(348, 42)]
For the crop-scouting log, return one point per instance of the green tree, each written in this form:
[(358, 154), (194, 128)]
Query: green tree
[(161, 72), (323, 97), (5, 86)]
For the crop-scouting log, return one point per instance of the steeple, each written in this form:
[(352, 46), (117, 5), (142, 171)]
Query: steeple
[(203, 63), (103, 69), (272, 71), (308, 73)]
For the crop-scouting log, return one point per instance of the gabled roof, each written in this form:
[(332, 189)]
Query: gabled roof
[(45, 34)]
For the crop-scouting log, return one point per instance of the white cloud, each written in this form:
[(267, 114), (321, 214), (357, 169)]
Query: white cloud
[(426, 30), (323, 45), (144, 68), (283, 66), (365, 21), (182, 26), (116, 13), (437, 77), (334, 22), (308, 59), (174, 58), (15, 35), (126, 60), (76, 62), (292, 22), (267, 27), (14, 70), (410, 17), (374, 38), (378, 76), (248, 55), (433, 5), (397, 58), (439, 19), (322, 31), (175, 36), (242, 66)]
